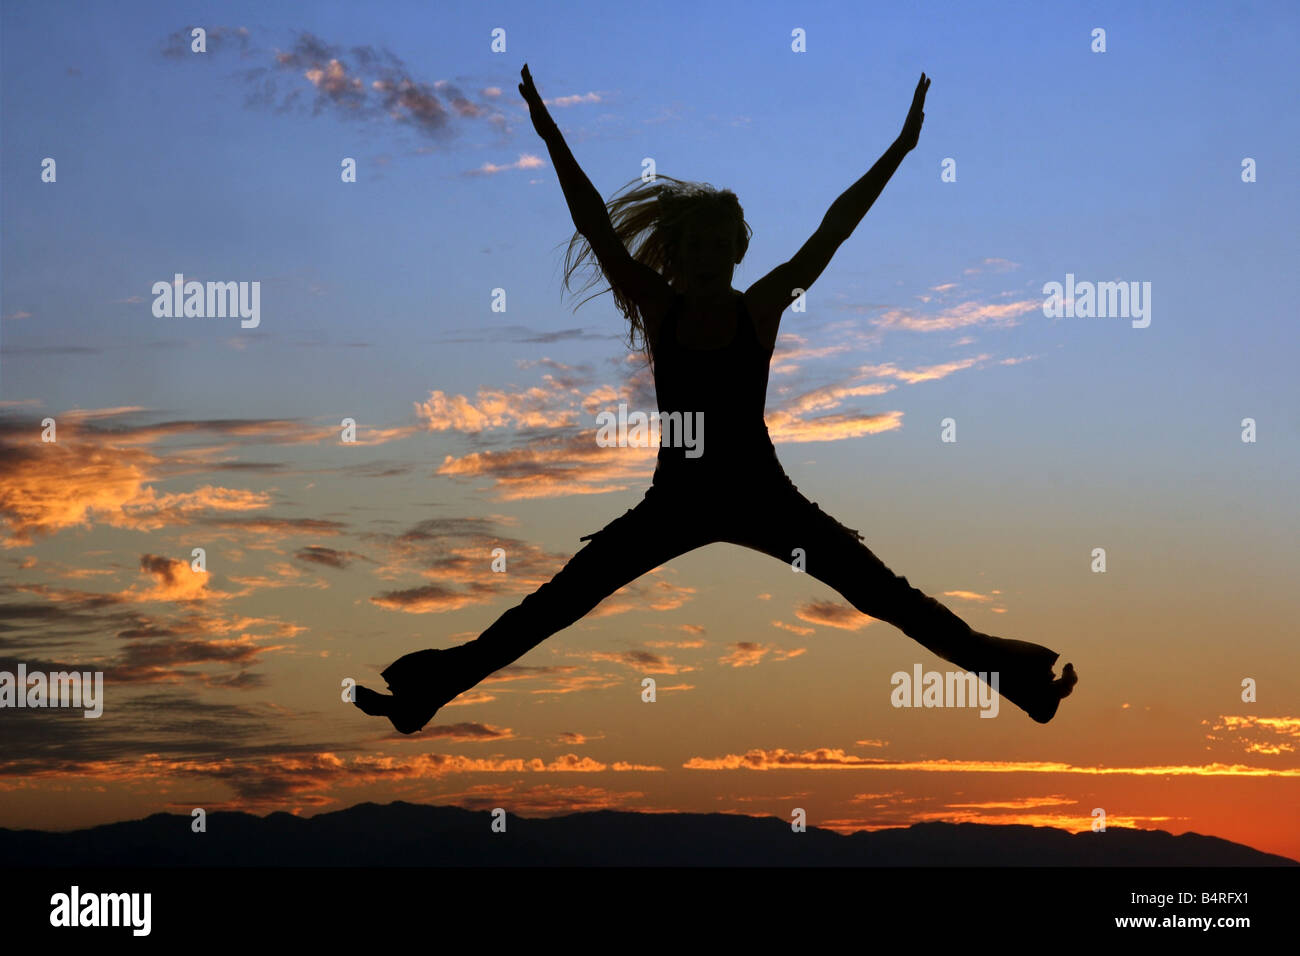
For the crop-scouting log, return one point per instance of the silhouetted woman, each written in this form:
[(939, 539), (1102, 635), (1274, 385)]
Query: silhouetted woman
[(709, 347)]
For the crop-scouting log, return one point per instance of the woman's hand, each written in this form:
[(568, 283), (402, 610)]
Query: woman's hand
[(915, 116), (542, 121)]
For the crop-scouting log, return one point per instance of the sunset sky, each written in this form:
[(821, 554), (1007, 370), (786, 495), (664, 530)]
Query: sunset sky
[(476, 428)]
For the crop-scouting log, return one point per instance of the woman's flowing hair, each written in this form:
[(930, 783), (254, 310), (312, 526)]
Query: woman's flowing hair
[(649, 219)]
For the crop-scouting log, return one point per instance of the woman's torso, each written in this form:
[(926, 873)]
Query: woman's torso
[(711, 401)]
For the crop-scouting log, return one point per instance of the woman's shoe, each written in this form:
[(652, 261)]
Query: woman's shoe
[(436, 674), (422, 683), (1025, 674), (410, 672), (1037, 690), (408, 716)]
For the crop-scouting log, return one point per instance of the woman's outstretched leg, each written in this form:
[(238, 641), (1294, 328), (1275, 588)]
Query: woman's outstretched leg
[(836, 556), (642, 539)]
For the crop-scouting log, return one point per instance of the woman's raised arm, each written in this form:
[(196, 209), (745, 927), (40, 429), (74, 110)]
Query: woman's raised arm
[(590, 217), (775, 291)]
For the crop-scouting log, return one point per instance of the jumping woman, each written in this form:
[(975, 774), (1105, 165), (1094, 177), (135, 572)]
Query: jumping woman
[(709, 348)]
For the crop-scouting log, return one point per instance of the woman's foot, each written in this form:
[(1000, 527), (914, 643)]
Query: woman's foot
[(1026, 678), (418, 671), (1038, 695), (407, 717), (422, 683)]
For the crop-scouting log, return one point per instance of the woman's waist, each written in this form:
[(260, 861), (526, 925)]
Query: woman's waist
[(728, 455), (712, 398), (699, 436)]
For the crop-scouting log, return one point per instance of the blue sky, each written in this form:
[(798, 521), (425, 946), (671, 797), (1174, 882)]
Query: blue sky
[(1121, 164)]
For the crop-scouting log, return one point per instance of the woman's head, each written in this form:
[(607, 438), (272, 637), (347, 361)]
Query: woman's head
[(690, 233), (704, 231), (708, 248)]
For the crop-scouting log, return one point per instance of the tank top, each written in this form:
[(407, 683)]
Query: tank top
[(717, 395)]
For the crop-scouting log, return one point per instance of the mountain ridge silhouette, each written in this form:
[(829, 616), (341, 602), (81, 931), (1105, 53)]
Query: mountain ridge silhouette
[(408, 834)]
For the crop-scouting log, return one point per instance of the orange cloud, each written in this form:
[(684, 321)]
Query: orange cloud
[(282, 575), (573, 683), (643, 662), (555, 466), (558, 678), (542, 799), (992, 264), (1074, 823), (74, 482), (303, 778), (831, 396), (828, 758), (1023, 803), (748, 654), (972, 596), (646, 593), (573, 99), (679, 644), (496, 408), (175, 580), (525, 161), (1258, 735), (471, 697), (96, 474), (927, 373), (787, 360), (333, 79), (959, 316), (787, 428)]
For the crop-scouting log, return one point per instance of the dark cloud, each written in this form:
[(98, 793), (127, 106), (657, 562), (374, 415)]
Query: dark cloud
[(433, 597), (376, 469), (55, 740), (456, 555), (469, 731), (358, 83), (193, 644), (145, 737), (280, 526), (165, 569), (245, 466), (51, 350), (329, 557), (521, 333)]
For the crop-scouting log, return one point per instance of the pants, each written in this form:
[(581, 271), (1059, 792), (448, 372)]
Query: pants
[(762, 510)]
